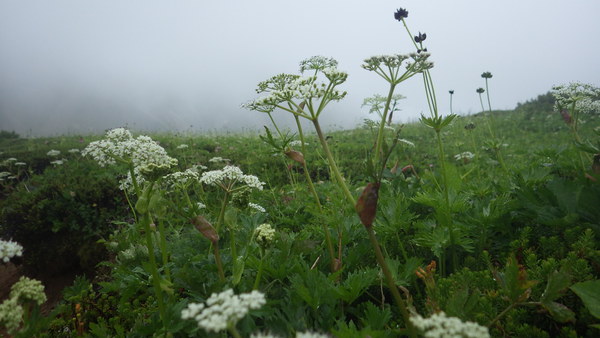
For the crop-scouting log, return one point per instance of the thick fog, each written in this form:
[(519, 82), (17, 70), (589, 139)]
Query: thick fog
[(84, 66)]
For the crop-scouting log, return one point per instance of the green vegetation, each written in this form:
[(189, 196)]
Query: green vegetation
[(487, 225)]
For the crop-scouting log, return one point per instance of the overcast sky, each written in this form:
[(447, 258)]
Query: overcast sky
[(85, 66)]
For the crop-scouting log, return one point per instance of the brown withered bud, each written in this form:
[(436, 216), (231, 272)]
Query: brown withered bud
[(394, 169), (205, 228), (295, 156), (566, 116), (366, 206)]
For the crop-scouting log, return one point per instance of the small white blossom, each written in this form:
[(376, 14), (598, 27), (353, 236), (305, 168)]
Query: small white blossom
[(585, 97), (57, 162), (20, 164), (73, 151), (5, 174), (10, 159), (309, 334), (10, 249), (218, 159), (182, 146), (201, 205), (464, 156), (223, 310), (438, 325), (256, 207), (53, 153), (407, 142)]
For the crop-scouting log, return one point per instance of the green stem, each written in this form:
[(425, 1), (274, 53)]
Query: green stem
[(163, 249), (487, 92), (443, 166), (222, 212), (391, 283), (234, 332), (380, 133), (510, 307), (153, 269), (332, 164), (215, 246), (260, 270)]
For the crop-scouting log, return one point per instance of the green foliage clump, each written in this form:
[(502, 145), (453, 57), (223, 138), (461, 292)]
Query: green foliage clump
[(58, 216)]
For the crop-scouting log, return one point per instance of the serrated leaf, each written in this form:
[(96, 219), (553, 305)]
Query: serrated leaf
[(589, 294), (559, 312), (557, 282)]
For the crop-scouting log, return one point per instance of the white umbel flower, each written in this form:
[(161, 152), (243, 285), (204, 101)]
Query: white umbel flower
[(438, 325), (230, 175), (223, 310), (10, 249)]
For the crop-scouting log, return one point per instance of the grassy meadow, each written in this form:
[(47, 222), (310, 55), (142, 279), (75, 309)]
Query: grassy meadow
[(518, 241), (454, 226)]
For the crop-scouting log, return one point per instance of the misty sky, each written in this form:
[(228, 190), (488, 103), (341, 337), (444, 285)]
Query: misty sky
[(85, 66)]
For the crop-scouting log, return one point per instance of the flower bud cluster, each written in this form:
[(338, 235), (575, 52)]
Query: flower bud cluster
[(223, 310), (228, 176), (317, 63), (438, 325), (12, 311), (9, 249), (586, 97), (265, 234), (419, 63)]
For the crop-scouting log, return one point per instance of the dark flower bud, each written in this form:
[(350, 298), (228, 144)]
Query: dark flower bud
[(420, 38), (451, 92), (486, 75), (400, 14), (480, 90), (470, 126)]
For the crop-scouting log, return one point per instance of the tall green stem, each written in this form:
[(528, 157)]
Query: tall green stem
[(163, 249), (391, 283), (378, 145), (222, 212), (332, 164), (145, 218), (260, 269)]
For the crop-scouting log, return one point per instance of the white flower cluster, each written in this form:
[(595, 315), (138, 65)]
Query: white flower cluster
[(73, 151), (586, 97), (467, 155), (264, 234), (438, 325), (181, 178), (218, 159), (182, 146), (53, 153), (145, 154), (223, 310), (229, 176), (256, 207), (296, 143), (9, 249)]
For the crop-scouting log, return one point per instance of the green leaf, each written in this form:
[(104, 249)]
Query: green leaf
[(588, 292), (557, 282), (559, 312), (238, 269)]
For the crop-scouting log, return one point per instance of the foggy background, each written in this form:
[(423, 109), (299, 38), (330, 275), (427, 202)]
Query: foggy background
[(80, 67)]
